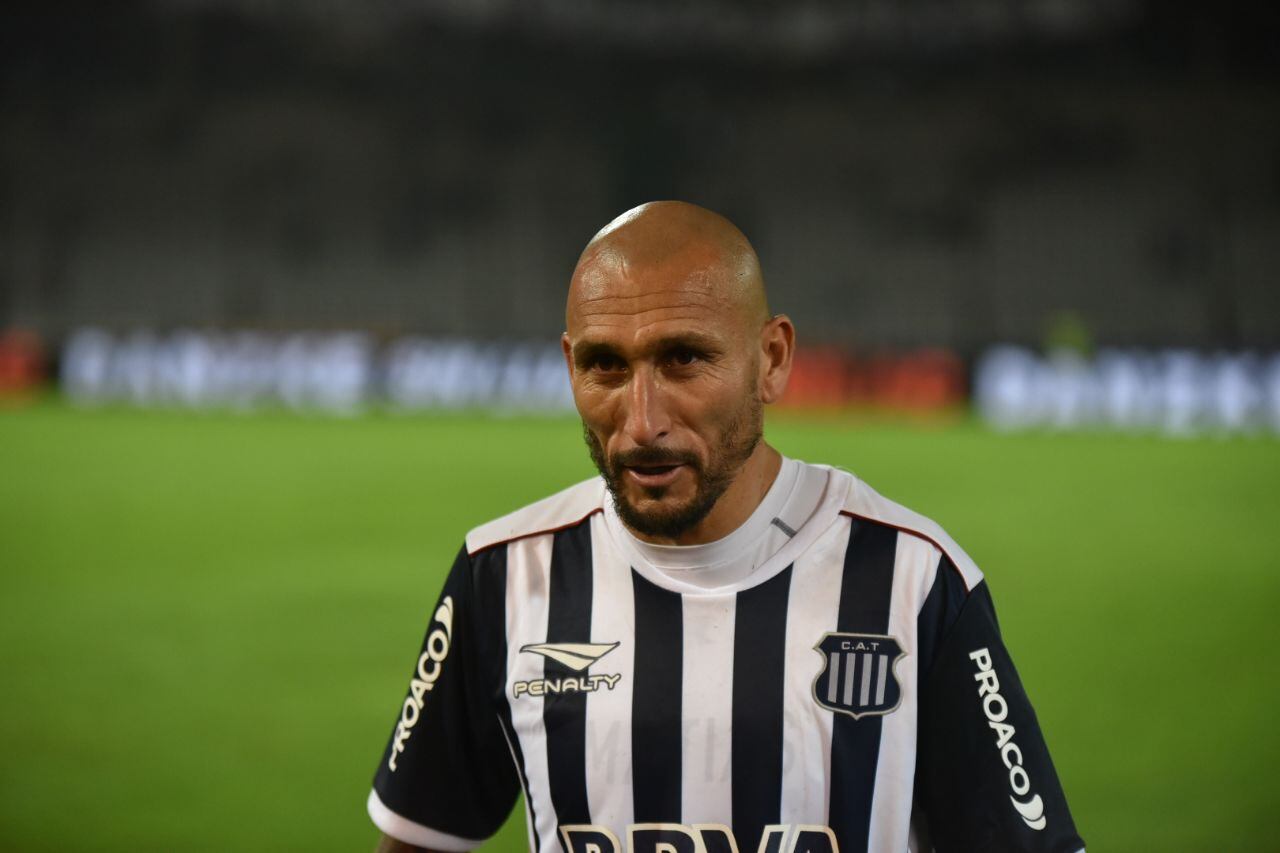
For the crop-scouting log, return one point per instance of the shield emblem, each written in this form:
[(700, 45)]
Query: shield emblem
[(857, 675)]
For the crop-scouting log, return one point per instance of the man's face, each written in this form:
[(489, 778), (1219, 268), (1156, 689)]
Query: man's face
[(665, 371)]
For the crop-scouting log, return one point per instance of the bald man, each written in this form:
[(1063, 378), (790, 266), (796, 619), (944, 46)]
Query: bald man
[(710, 648)]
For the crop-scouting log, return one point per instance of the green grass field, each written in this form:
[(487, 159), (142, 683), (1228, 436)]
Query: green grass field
[(207, 621)]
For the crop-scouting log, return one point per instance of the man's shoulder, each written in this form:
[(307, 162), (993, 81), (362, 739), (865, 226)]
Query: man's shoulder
[(555, 512), (863, 502)]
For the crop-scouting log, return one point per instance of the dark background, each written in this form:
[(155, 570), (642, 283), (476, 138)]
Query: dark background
[(912, 173)]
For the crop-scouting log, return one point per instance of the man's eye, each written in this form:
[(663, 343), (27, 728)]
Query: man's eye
[(684, 357), (606, 363)]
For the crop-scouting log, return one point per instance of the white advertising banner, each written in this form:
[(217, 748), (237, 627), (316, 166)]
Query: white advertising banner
[(1177, 392), (340, 372)]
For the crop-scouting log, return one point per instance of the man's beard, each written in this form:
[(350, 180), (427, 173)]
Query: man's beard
[(737, 443)]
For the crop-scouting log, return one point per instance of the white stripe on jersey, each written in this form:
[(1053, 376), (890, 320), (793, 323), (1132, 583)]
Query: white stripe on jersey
[(545, 516), (707, 712), (914, 569), (613, 619), (812, 607), (868, 503), (528, 588)]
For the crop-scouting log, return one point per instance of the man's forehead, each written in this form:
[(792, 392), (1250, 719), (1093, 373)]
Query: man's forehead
[(599, 304), (612, 288), (652, 321)]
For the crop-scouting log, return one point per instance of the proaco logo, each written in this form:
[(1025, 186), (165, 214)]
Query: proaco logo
[(996, 711), (429, 666)]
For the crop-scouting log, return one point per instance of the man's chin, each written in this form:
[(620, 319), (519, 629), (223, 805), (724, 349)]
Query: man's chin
[(660, 516), (656, 505)]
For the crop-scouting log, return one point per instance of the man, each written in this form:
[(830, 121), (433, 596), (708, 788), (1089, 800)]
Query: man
[(710, 648)]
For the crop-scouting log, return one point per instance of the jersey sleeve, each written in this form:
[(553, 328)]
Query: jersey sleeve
[(447, 780), (984, 779)]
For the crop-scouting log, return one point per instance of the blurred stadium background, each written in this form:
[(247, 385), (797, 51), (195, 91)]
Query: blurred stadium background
[(280, 287)]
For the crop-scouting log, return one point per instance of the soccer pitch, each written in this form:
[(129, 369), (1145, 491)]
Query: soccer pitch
[(207, 621)]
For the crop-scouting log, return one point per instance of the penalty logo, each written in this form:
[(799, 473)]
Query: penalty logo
[(573, 657)]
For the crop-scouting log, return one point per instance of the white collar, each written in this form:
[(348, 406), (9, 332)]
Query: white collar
[(710, 554), (799, 493)]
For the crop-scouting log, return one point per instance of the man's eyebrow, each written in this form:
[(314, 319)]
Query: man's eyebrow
[(586, 350), (687, 340)]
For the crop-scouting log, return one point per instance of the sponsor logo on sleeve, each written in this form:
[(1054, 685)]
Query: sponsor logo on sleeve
[(430, 665), (1030, 809)]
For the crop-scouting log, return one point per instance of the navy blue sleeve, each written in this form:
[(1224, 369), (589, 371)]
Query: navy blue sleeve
[(447, 766), (984, 779)]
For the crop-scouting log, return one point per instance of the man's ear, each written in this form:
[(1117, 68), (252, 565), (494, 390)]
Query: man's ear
[(567, 348), (777, 350)]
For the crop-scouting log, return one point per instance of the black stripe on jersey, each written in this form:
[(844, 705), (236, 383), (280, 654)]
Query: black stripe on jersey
[(656, 703), (489, 579), (564, 715), (489, 590), (865, 593), (939, 612), (759, 654)]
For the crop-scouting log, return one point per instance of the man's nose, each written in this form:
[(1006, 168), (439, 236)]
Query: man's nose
[(645, 420)]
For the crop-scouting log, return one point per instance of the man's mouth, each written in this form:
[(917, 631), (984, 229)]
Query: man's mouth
[(654, 475)]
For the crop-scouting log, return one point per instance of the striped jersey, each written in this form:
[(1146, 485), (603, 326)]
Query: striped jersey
[(847, 691)]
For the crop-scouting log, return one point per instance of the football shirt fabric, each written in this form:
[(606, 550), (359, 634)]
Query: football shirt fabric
[(828, 677)]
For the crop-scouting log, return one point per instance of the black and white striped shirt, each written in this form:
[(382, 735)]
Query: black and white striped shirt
[(850, 693)]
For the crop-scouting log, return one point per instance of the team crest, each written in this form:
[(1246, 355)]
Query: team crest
[(857, 675)]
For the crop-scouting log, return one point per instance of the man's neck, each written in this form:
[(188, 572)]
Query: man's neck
[(736, 504)]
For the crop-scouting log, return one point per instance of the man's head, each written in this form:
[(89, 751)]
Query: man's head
[(672, 353)]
